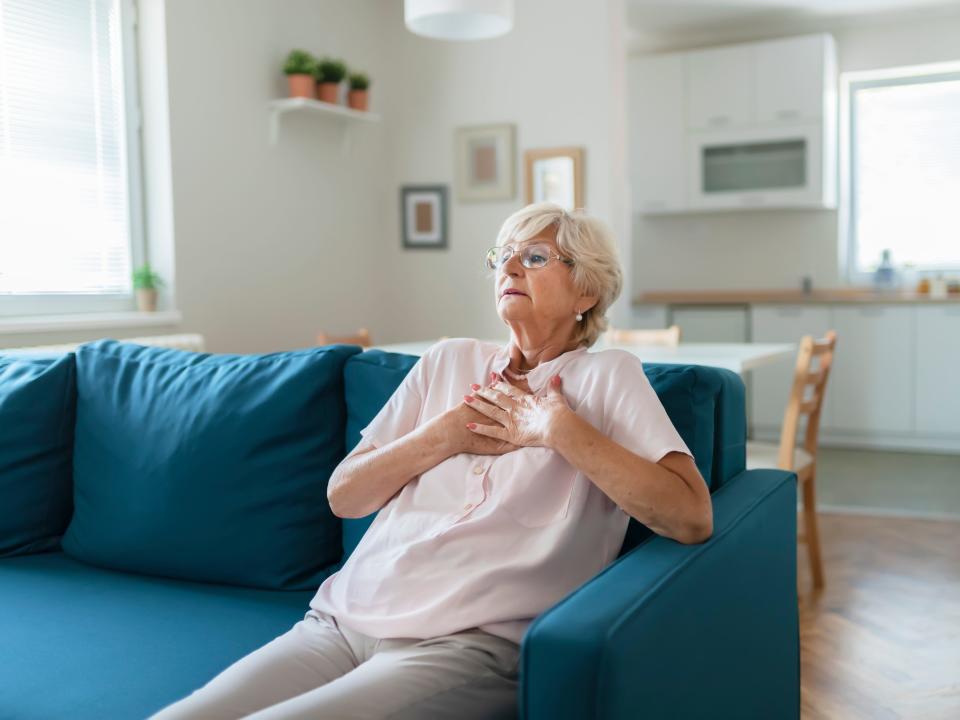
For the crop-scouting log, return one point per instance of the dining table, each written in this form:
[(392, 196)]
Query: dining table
[(738, 357)]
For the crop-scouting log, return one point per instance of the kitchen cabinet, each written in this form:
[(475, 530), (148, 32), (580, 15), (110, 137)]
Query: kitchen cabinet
[(656, 111), (937, 405), (790, 78), (720, 87), (716, 323), (772, 383), (872, 380), (648, 317)]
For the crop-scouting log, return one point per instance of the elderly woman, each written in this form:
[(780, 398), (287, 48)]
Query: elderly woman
[(504, 477)]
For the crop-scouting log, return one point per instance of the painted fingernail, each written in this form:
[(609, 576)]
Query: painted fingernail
[(474, 386), (472, 426), (468, 398)]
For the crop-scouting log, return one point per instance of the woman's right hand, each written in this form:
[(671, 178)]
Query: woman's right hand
[(451, 428)]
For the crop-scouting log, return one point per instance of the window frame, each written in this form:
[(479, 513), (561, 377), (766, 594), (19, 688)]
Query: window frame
[(14, 305), (850, 83)]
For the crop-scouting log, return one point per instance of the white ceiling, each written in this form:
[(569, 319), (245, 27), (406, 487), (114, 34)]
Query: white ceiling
[(663, 24)]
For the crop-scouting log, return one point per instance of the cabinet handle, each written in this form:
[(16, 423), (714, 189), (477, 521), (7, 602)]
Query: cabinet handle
[(718, 119), (752, 200)]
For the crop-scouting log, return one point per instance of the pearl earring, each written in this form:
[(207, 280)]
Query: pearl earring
[(579, 316)]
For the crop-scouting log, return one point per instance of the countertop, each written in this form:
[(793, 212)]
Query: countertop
[(786, 297)]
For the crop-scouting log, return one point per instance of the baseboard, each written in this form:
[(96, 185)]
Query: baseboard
[(884, 512)]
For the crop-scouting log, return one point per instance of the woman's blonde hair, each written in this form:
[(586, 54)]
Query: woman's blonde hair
[(587, 241)]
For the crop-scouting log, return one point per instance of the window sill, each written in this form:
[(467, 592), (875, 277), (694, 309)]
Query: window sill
[(80, 321)]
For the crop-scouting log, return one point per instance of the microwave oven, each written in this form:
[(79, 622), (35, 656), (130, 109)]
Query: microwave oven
[(776, 166)]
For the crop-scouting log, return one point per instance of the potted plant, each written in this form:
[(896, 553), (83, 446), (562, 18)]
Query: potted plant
[(300, 68), (329, 74), (357, 98), (146, 282)]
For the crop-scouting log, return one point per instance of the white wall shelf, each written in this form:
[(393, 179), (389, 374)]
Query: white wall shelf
[(347, 117)]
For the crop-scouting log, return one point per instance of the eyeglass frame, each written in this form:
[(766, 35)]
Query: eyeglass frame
[(513, 250)]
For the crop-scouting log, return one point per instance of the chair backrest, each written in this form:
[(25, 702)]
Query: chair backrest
[(801, 403), (667, 336), (362, 338)]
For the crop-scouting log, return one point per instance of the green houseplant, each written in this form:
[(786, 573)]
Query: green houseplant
[(330, 73), (358, 98), (145, 283), (300, 68)]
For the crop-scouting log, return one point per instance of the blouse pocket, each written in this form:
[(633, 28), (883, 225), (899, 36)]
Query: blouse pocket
[(534, 486)]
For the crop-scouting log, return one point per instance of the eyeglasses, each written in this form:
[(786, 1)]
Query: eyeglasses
[(532, 257)]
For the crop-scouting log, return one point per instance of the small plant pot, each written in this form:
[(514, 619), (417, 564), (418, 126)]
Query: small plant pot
[(327, 92), (147, 298), (358, 99), (301, 85)]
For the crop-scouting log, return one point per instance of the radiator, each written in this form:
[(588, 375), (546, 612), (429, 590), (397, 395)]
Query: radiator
[(190, 341)]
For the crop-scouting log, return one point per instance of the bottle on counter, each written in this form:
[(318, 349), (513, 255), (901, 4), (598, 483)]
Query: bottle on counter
[(885, 276), (938, 287)]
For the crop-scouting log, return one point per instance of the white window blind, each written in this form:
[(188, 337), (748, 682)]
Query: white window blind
[(65, 217), (905, 171)]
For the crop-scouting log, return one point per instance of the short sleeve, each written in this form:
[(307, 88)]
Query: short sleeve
[(634, 417), (402, 411)]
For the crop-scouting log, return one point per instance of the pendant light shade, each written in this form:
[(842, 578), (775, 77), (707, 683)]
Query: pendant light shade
[(458, 19)]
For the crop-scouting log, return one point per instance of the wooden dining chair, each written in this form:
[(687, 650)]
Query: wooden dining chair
[(668, 336), (802, 460), (362, 338)]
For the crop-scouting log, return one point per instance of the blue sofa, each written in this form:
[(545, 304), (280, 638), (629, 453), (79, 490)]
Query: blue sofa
[(164, 513)]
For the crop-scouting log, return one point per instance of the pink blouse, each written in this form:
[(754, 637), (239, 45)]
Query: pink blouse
[(492, 541)]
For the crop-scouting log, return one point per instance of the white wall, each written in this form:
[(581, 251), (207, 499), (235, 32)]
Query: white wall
[(554, 76), (775, 249)]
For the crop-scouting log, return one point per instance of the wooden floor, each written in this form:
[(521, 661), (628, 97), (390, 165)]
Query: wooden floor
[(883, 639)]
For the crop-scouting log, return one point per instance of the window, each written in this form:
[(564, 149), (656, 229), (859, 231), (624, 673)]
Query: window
[(901, 160), (70, 219)]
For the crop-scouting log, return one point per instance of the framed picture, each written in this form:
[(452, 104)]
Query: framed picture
[(485, 162), (423, 209), (554, 175)]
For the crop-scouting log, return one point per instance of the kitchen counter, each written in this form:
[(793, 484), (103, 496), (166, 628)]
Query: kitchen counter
[(781, 297)]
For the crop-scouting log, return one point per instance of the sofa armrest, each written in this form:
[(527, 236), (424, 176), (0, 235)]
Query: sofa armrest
[(681, 631)]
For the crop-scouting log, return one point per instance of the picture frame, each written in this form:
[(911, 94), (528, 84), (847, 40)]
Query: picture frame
[(423, 213), (485, 158), (554, 175)]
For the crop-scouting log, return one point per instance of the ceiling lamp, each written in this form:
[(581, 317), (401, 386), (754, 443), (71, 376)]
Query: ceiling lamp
[(458, 19)]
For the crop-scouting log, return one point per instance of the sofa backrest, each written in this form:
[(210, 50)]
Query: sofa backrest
[(705, 404)]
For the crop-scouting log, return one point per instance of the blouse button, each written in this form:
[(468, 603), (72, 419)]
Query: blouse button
[(478, 470)]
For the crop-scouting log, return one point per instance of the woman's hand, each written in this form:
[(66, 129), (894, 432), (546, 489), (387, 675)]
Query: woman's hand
[(521, 418), (453, 435)]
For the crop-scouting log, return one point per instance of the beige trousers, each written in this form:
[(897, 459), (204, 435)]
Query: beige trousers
[(321, 670)]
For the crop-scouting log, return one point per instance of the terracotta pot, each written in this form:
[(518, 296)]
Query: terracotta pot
[(301, 85), (147, 298), (357, 99), (327, 92)]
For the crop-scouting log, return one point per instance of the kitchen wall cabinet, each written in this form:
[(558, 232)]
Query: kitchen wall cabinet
[(656, 92), (937, 403), (790, 77), (720, 87)]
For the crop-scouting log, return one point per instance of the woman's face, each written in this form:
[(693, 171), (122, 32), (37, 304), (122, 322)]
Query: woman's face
[(538, 296)]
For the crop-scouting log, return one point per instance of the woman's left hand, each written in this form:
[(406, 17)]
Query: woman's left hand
[(523, 419)]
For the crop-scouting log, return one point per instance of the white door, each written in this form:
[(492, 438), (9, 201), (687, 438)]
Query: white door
[(938, 378), (772, 383), (872, 380), (720, 87), (790, 79), (656, 133)]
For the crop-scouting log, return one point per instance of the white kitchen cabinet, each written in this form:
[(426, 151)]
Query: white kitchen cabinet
[(937, 363), (648, 317), (720, 87), (872, 380), (772, 383), (656, 131), (791, 75), (716, 324)]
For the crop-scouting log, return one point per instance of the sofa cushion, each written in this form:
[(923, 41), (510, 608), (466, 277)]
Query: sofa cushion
[(86, 643), (208, 467), (38, 399)]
